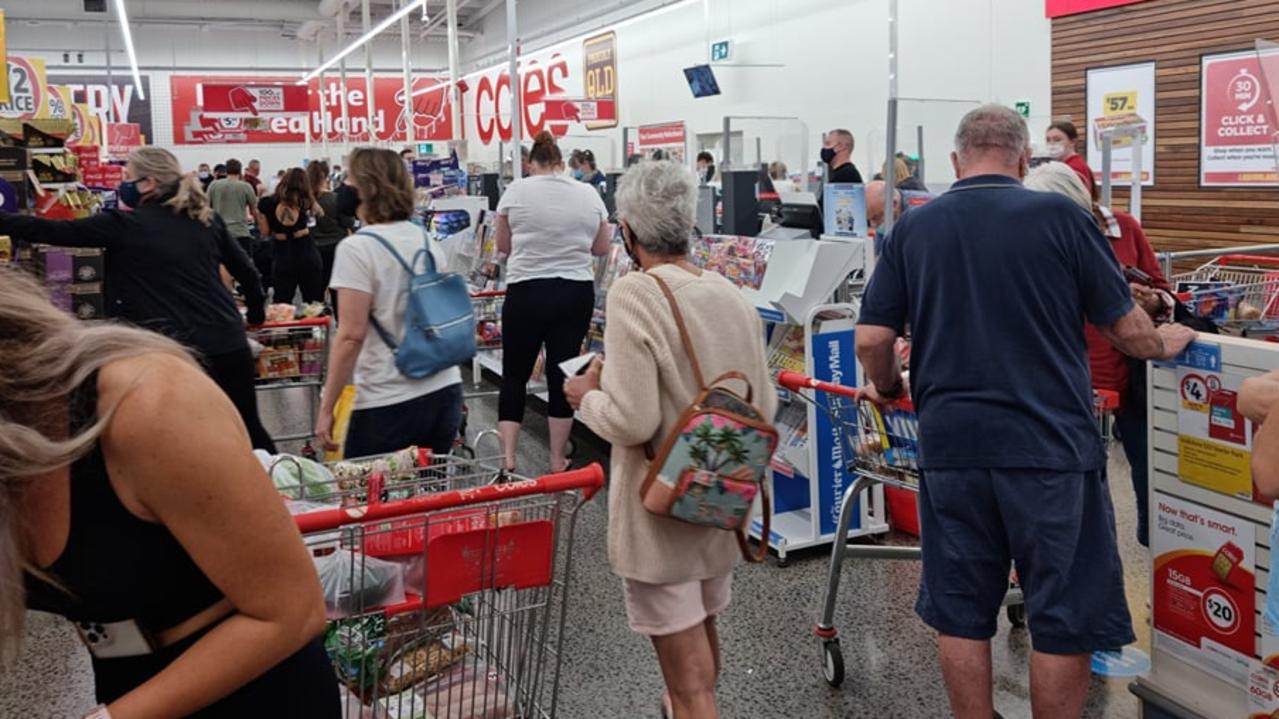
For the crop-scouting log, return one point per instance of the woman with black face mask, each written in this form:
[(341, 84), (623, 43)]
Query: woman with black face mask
[(162, 267)]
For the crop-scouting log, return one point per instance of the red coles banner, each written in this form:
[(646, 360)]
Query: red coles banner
[(1061, 8), (194, 124)]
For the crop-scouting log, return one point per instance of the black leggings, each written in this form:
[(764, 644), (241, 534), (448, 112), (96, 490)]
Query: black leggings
[(553, 312), (296, 262), (234, 372)]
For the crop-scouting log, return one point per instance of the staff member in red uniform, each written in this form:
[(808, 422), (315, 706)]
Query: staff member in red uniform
[(1063, 138), (1111, 369)]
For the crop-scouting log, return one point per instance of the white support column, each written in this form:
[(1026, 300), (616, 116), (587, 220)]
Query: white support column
[(346, 116), (306, 133), (406, 58), (455, 94), (324, 106), (369, 94), (513, 47)]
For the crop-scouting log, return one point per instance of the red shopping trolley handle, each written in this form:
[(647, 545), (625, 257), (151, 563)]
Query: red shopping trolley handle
[(1106, 400), (795, 381), (308, 322), (1246, 260), (488, 294), (589, 479)]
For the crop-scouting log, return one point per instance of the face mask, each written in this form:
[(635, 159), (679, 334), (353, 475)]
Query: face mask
[(630, 249), (129, 194), (828, 154), (204, 175), (578, 174), (1058, 150)]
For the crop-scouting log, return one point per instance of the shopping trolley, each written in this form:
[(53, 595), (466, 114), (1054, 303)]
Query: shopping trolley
[(1239, 293), (488, 346), (451, 602), (294, 354), (880, 446)]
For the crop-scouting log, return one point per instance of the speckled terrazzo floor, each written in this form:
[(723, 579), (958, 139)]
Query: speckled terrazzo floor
[(772, 663)]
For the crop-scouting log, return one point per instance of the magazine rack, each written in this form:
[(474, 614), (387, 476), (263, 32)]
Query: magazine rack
[(796, 281)]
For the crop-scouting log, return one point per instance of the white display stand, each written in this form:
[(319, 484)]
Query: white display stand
[(807, 484), (1176, 687)]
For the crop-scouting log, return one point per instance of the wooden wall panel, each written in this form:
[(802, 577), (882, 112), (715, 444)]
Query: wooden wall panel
[(1177, 213)]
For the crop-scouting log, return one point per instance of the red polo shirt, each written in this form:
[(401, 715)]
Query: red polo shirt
[(1109, 366), (1081, 168)]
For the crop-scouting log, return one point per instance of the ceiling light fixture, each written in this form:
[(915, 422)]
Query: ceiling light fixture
[(372, 33), (128, 46)]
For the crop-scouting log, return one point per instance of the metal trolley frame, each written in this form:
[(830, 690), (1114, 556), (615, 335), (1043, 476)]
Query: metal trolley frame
[(294, 354), (485, 568), (880, 447)]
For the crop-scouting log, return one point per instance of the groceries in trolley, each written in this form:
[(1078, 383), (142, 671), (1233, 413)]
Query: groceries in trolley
[(1238, 293), (293, 350), (449, 604)]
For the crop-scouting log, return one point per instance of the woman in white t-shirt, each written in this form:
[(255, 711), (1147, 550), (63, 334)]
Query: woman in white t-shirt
[(391, 411), (549, 225)]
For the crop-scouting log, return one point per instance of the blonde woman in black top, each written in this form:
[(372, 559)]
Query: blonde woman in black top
[(130, 499)]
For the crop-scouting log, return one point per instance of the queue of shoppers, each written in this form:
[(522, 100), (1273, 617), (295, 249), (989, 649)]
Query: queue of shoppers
[(1033, 244)]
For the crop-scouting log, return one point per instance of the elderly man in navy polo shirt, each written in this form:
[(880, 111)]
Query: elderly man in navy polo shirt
[(992, 280)]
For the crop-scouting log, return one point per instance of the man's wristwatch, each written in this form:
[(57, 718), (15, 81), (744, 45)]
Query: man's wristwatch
[(897, 390)]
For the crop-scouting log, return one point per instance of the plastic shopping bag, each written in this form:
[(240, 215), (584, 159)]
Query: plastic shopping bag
[(354, 583), (297, 477)]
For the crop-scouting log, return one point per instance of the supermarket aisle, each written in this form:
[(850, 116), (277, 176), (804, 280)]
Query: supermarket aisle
[(772, 664)]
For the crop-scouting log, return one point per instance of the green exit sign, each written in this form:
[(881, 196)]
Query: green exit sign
[(1023, 109), (719, 51), (425, 149)]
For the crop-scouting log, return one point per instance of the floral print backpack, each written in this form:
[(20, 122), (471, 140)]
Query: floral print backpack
[(711, 466)]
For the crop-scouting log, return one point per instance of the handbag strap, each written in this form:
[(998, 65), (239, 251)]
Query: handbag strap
[(683, 331)]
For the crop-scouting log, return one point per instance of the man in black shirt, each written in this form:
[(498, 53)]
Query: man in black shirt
[(837, 153)]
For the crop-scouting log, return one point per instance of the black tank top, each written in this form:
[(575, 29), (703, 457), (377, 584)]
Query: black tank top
[(115, 566)]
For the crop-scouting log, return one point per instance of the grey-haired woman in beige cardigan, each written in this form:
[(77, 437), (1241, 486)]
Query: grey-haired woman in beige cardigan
[(677, 576)]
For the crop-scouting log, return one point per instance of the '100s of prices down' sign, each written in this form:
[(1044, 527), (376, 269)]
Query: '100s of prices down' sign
[(1237, 135)]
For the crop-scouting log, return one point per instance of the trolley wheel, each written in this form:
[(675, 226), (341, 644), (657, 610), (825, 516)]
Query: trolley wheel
[(783, 561), (832, 663), (1017, 615)]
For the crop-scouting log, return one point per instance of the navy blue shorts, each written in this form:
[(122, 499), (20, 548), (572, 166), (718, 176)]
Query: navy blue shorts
[(1059, 528)]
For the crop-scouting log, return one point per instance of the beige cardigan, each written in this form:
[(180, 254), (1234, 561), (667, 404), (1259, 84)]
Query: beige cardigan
[(645, 386)]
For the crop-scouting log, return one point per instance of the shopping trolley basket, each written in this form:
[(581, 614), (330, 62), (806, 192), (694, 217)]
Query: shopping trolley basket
[(1239, 293), (488, 318), (294, 354), (450, 604), (880, 446)]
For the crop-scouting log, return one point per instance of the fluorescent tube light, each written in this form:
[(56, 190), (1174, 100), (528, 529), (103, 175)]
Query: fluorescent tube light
[(128, 46), (372, 33)]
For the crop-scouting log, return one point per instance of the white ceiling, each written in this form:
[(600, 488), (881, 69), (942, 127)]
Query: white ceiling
[(282, 16)]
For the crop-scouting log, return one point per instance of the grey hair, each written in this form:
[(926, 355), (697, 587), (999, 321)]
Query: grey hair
[(658, 200), (992, 129), (1059, 178), (844, 135)]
